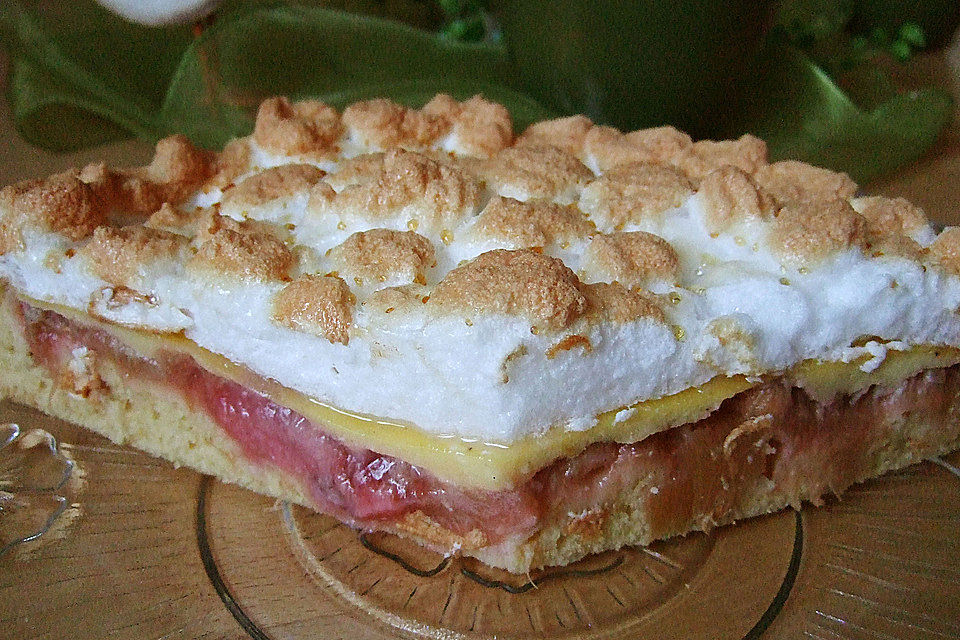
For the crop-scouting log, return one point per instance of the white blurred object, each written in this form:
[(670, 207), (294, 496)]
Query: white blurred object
[(159, 12)]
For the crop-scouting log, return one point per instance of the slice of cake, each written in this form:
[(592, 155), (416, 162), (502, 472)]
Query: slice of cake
[(520, 349)]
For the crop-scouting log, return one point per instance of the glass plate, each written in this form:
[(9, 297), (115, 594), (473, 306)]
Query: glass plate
[(100, 540)]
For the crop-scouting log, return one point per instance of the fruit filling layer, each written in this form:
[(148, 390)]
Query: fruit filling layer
[(773, 438)]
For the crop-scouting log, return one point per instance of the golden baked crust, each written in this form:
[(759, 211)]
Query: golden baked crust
[(731, 197), (792, 181), (747, 152), (887, 216), (397, 300), (544, 172), (481, 128), (76, 202), (614, 303), (609, 148), (567, 134), (230, 164), (382, 124), (62, 203), (890, 225), (554, 187), (945, 250), (806, 232)]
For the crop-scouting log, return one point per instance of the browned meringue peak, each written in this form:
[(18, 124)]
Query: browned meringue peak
[(200, 224), (631, 258), (608, 148), (536, 172), (522, 283), (480, 128), (613, 302), (397, 301), (890, 215), (319, 305), (890, 225), (945, 250), (604, 148), (184, 221), (284, 181), (120, 255), (730, 197), (567, 134), (209, 222), (175, 172), (633, 192), (248, 255), (379, 255), (534, 223), (806, 232), (746, 152), (308, 127), (230, 164), (62, 203), (791, 181), (382, 124), (894, 245), (361, 169), (400, 183), (76, 202)]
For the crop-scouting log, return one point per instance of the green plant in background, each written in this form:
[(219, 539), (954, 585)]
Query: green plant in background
[(466, 20), (81, 76), (823, 94)]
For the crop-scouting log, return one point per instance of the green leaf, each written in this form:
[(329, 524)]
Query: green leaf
[(76, 57), (866, 85), (802, 114), (221, 77), (128, 59), (416, 13), (57, 116), (82, 76)]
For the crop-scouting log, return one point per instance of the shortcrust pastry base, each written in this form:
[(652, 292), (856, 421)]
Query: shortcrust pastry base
[(159, 421)]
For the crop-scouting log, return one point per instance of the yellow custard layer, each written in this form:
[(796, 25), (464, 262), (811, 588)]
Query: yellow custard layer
[(497, 466)]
